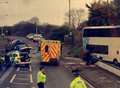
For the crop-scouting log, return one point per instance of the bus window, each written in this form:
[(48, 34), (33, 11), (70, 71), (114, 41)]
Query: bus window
[(102, 49), (102, 32)]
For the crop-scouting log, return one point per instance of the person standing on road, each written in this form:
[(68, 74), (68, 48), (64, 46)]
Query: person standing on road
[(41, 78), (77, 82)]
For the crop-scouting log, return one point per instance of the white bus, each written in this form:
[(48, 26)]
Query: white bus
[(103, 41)]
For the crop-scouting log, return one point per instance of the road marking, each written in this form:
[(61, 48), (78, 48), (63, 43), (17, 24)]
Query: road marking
[(18, 69), (22, 79), (33, 87), (23, 71), (12, 79), (30, 69), (31, 78), (20, 83), (90, 85)]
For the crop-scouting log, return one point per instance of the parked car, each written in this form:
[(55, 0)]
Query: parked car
[(20, 58), (2, 60), (14, 45), (17, 42), (90, 59), (37, 37), (30, 36)]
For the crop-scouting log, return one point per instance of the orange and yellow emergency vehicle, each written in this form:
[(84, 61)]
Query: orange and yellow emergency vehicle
[(50, 51)]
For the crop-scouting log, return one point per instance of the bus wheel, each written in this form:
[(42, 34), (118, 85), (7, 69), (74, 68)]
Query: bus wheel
[(115, 61)]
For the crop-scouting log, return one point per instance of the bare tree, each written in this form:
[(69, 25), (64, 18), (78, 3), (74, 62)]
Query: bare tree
[(34, 20), (75, 17)]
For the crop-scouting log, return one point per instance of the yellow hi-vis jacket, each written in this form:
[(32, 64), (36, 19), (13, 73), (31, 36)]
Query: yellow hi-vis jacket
[(78, 83), (41, 78)]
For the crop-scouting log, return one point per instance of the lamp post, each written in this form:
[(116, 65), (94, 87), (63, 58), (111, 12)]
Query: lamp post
[(71, 34)]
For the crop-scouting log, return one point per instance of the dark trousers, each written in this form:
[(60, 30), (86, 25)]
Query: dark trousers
[(40, 85)]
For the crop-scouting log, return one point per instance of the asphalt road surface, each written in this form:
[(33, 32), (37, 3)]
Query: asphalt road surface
[(57, 76), (21, 77)]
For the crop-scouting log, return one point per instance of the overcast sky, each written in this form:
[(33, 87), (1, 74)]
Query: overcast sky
[(48, 11)]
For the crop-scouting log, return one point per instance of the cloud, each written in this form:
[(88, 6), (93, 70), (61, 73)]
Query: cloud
[(48, 11)]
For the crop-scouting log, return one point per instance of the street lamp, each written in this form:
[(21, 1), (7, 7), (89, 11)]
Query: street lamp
[(71, 34)]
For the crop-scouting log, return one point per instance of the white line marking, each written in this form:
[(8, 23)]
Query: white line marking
[(30, 69), (31, 78), (22, 74), (18, 83), (12, 79), (23, 71), (18, 69), (90, 85), (22, 79)]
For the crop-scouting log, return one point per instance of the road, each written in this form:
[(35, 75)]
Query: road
[(57, 76), (96, 76)]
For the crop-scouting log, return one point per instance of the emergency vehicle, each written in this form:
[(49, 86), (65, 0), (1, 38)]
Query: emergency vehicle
[(50, 51), (19, 58)]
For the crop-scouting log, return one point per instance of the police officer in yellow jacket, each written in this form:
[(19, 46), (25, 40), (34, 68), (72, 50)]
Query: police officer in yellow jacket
[(78, 82), (41, 78)]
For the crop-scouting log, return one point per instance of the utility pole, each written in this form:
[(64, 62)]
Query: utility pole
[(71, 33)]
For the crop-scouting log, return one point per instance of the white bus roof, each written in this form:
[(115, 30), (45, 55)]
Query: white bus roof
[(94, 27)]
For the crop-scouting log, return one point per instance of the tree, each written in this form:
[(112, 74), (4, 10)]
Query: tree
[(102, 13), (75, 17), (117, 5), (34, 20)]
